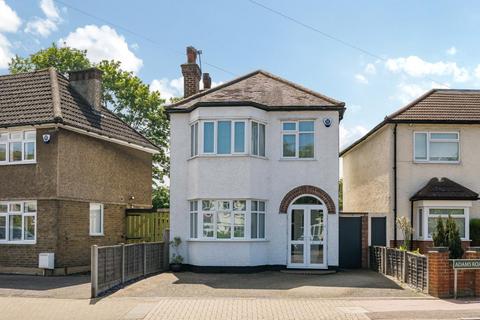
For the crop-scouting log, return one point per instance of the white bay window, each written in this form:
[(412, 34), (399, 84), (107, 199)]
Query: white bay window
[(18, 222), (427, 219), (227, 219), (226, 137), (436, 146)]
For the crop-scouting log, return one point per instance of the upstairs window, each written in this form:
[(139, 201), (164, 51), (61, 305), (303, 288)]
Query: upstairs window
[(436, 146), (225, 137), (298, 139), (258, 139), (17, 147)]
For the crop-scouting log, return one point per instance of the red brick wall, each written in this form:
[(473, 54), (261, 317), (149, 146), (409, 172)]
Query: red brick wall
[(441, 276)]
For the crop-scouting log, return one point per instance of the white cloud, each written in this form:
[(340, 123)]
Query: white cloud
[(173, 88), (370, 68), (406, 92), (361, 78), (5, 53), (9, 20), (417, 67), (451, 51), (348, 135), (45, 26), (103, 43)]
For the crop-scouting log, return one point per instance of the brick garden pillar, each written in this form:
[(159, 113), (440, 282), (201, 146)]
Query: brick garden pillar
[(439, 273), (474, 253)]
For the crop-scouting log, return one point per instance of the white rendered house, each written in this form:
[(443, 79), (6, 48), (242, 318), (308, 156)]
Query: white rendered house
[(254, 172)]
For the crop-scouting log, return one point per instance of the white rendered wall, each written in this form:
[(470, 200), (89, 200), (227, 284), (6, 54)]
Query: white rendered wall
[(232, 177)]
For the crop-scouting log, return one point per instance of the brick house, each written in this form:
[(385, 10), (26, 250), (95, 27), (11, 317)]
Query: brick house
[(68, 169), (421, 162)]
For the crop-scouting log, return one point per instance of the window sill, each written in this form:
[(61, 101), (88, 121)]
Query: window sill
[(227, 240), (18, 242), (17, 163), (436, 162), (297, 159), (97, 235), (235, 155)]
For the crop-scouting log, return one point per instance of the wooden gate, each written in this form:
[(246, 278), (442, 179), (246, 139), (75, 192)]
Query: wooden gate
[(146, 225)]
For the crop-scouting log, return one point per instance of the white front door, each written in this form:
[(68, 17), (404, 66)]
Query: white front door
[(306, 233)]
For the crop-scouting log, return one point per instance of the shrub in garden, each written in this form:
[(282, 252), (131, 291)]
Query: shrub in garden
[(475, 232), (448, 235)]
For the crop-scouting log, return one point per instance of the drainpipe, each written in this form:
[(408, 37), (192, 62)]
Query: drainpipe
[(411, 224), (395, 185)]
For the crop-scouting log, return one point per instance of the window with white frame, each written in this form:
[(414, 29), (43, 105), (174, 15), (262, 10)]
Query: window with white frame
[(428, 219), (194, 139), (258, 139), (226, 137), (18, 222), (227, 219), (96, 219), (298, 139), (17, 146), (436, 146)]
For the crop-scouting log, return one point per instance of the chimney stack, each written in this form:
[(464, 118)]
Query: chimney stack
[(88, 84), (207, 81), (191, 73)]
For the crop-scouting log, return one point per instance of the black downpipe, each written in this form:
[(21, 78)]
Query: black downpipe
[(395, 185), (411, 224)]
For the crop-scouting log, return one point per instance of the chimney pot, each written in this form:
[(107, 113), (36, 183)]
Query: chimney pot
[(207, 81), (88, 83), (191, 73)]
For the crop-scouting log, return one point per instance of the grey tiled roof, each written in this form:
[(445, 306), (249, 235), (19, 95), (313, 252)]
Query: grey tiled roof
[(27, 99), (444, 189), (263, 89), (442, 105)]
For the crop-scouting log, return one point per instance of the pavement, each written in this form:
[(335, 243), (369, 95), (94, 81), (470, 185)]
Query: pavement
[(359, 294)]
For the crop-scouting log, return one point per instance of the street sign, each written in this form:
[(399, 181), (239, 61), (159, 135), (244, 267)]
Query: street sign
[(466, 264), (459, 264)]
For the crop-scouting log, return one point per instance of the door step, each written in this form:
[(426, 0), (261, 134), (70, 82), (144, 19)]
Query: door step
[(308, 272)]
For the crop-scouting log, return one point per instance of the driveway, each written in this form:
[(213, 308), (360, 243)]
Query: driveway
[(269, 284)]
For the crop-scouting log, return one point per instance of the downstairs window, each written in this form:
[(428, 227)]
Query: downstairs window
[(18, 222)]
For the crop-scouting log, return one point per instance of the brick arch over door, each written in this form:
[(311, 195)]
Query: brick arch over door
[(306, 190)]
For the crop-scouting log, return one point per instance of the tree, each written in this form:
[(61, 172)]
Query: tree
[(123, 92), (438, 235), (448, 235), (161, 197)]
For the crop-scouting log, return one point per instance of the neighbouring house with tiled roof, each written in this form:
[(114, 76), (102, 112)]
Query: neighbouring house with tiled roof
[(421, 162), (254, 172), (68, 170)]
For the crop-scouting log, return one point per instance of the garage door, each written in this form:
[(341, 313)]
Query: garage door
[(350, 234)]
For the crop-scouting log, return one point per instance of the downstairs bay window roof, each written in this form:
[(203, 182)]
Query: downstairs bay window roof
[(259, 89), (444, 189)]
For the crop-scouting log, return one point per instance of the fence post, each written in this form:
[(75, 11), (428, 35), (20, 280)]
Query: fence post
[(123, 262), (405, 266), (144, 259), (94, 270), (385, 261)]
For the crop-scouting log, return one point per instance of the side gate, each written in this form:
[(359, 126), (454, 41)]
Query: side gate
[(146, 225)]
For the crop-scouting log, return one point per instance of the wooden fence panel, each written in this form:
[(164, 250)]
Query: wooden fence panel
[(407, 267), (146, 226)]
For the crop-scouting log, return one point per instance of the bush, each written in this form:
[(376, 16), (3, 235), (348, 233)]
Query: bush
[(475, 232), (447, 235)]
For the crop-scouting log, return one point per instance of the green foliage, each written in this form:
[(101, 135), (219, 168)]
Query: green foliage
[(475, 232), (407, 230), (123, 92), (63, 59), (447, 235), (161, 198), (439, 235), (176, 257), (340, 195)]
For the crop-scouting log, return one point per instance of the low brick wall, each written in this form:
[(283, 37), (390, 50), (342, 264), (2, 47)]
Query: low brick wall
[(441, 275)]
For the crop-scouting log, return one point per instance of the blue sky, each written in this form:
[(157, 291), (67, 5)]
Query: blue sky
[(414, 44)]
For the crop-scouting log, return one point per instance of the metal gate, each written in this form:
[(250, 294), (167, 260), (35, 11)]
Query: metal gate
[(350, 237)]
